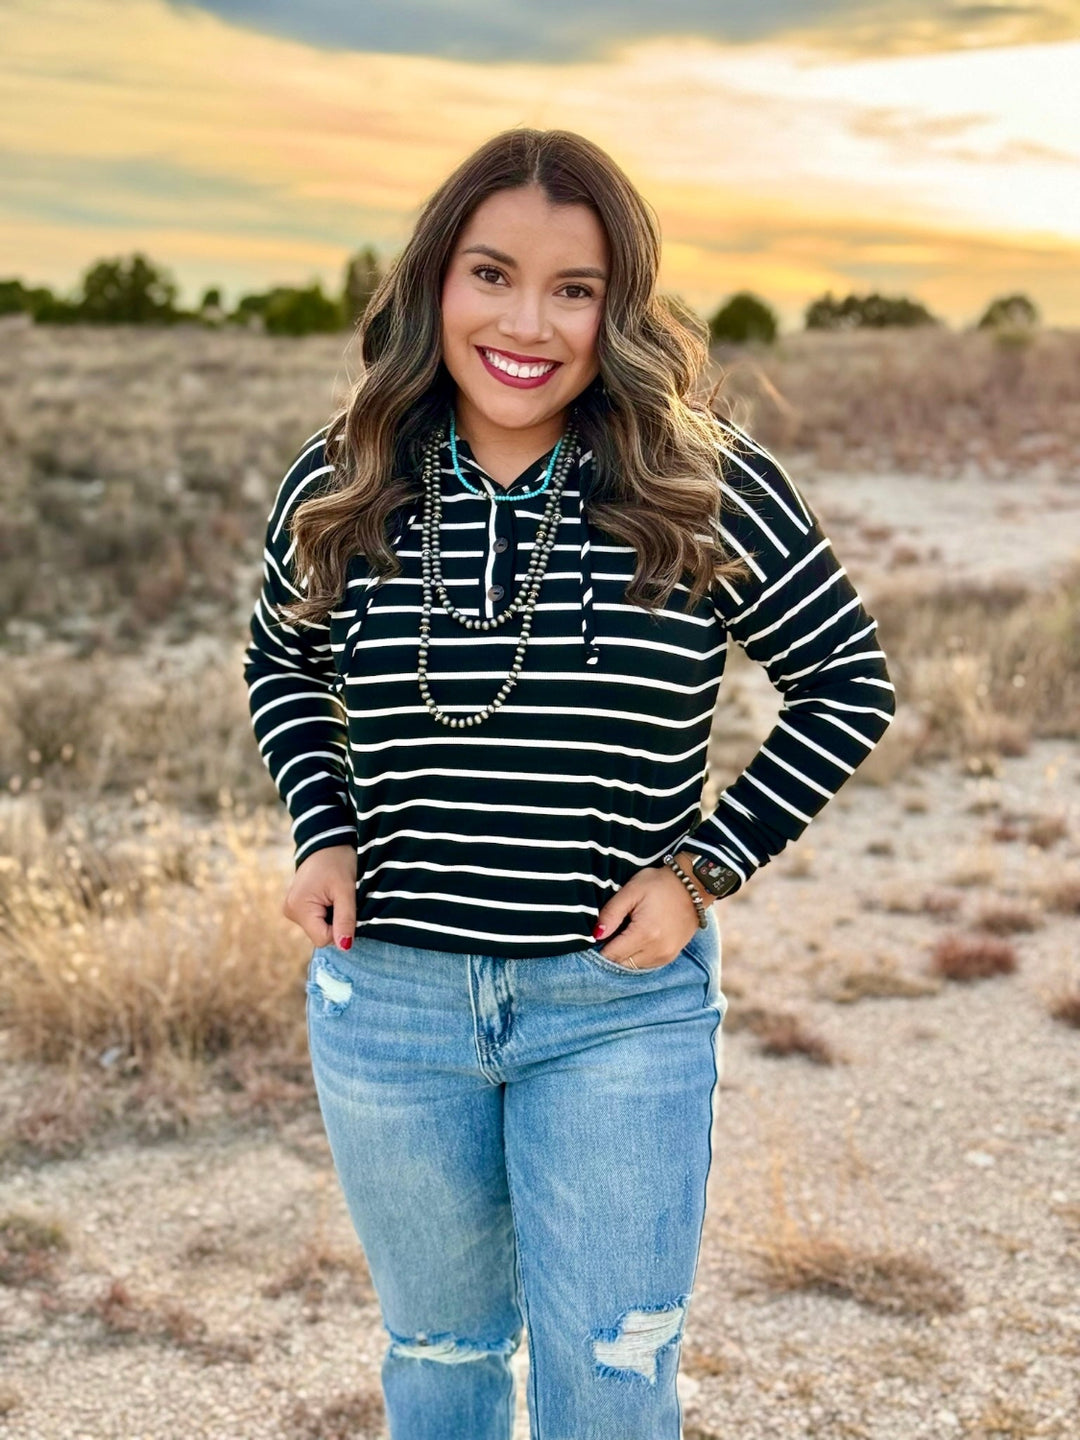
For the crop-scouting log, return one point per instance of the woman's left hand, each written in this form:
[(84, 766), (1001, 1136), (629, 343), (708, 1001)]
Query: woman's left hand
[(662, 917)]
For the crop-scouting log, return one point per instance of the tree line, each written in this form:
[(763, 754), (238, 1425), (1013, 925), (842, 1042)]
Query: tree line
[(133, 290)]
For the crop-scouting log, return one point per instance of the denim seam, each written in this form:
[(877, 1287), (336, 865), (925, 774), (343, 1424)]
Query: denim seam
[(519, 1256), (708, 1170)]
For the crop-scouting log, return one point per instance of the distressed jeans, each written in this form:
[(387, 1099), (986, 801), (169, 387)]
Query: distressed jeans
[(523, 1146)]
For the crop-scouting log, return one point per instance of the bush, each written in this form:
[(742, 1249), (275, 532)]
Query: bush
[(873, 311), (742, 318)]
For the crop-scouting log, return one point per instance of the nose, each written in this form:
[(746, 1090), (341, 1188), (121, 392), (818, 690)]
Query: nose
[(525, 318)]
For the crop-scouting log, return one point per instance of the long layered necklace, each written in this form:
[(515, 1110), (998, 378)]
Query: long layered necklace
[(524, 602)]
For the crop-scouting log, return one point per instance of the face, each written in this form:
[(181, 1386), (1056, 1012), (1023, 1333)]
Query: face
[(521, 308)]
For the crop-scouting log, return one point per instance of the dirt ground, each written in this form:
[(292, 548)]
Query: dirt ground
[(930, 1169)]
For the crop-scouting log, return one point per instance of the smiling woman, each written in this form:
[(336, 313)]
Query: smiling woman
[(499, 589), (524, 319)]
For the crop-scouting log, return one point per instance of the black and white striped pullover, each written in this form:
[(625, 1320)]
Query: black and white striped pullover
[(506, 838)]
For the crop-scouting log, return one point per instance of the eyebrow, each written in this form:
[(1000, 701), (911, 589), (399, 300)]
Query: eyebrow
[(577, 272)]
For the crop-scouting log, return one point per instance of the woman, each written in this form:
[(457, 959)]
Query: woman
[(498, 592)]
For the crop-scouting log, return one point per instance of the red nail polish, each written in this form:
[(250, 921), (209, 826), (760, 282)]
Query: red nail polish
[(345, 942), (600, 930)]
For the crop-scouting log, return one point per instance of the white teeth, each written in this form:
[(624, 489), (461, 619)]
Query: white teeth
[(523, 372)]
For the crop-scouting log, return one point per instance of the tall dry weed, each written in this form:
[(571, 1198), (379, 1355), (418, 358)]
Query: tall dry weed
[(933, 401), (986, 665), (170, 946), (170, 726)]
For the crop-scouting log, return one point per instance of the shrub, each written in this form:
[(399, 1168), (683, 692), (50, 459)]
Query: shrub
[(972, 957)]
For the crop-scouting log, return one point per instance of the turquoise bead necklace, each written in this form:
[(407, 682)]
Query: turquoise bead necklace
[(521, 495)]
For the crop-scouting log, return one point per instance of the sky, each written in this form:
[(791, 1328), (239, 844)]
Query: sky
[(915, 147)]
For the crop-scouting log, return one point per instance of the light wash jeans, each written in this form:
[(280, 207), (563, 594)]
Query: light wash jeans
[(523, 1145)]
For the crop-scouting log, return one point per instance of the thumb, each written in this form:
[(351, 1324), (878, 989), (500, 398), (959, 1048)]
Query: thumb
[(612, 914), (343, 908)]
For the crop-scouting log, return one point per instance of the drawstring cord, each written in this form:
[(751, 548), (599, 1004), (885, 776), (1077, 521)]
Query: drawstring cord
[(405, 518)]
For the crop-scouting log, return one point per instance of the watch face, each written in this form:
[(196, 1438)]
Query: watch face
[(717, 878)]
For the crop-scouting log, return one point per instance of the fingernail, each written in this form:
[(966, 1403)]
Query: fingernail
[(600, 930), (345, 942)]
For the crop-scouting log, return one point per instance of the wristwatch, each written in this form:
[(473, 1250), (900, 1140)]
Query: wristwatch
[(717, 878)]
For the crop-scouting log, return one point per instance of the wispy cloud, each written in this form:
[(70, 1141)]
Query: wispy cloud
[(771, 166), (569, 31)]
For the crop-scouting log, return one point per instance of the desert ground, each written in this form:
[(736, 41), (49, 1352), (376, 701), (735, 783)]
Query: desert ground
[(892, 1243)]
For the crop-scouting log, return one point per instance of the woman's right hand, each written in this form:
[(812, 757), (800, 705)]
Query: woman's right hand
[(325, 881)]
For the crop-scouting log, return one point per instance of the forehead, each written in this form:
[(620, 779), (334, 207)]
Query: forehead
[(525, 224)]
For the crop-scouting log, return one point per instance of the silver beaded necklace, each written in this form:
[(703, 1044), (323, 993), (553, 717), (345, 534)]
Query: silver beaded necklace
[(524, 602)]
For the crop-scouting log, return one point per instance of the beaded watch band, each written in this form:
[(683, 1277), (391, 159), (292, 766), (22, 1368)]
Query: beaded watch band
[(673, 864)]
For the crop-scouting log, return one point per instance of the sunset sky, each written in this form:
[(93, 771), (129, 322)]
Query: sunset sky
[(927, 149)]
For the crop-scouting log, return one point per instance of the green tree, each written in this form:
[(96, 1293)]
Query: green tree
[(38, 301), (1012, 312), (868, 312), (286, 310), (742, 318), (132, 292), (362, 276), (14, 297)]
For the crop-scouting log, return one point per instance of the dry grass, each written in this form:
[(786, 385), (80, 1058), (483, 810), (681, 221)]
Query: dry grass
[(791, 1253), (1002, 1420), (1066, 1008), (1046, 830), (310, 1273), (931, 401), (972, 957), (139, 463), (884, 982), (898, 898), (138, 469), (360, 1415), (29, 1249), (150, 982), (779, 1033), (998, 918), (124, 1316), (986, 665), (168, 728), (975, 869), (883, 1280), (171, 945), (1062, 894)]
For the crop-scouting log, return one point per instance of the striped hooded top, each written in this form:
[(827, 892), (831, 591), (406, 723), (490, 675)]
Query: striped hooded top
[(507, 837)]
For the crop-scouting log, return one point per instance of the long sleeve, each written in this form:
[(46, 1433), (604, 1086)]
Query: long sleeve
[(298, 720), (801, 618)]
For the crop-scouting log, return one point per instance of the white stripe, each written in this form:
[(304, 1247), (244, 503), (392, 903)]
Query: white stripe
[(792, 770), (775, 798), (819, 749)]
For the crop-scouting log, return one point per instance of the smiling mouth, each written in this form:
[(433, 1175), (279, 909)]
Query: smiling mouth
[(519, 368)]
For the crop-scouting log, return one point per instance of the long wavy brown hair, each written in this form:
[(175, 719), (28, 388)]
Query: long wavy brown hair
[(652, 432)]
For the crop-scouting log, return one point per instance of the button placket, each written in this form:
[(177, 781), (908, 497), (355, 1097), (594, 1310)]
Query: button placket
[(504, 549)]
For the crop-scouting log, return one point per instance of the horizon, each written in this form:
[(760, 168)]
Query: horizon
[(237, 144)]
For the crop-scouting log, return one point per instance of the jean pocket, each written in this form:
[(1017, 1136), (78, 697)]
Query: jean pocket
[(613, 967)]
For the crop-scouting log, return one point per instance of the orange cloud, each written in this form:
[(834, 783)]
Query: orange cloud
[(209, 145)]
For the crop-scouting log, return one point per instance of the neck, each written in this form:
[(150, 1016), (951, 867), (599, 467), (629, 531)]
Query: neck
[(496, 446)]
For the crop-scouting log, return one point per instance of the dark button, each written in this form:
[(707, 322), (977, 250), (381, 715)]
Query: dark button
[(495, 593), (501, 544)]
